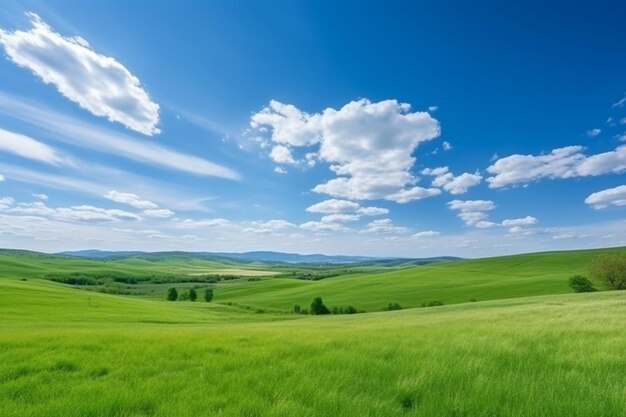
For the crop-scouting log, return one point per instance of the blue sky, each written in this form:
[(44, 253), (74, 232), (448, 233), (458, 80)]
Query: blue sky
[(391, 129)]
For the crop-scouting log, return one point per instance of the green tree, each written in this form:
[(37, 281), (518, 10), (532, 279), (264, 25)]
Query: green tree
[(172, 294), (318, 307), (193, 295), (581, 284), (208, 295), (296, 308), (610, 269)]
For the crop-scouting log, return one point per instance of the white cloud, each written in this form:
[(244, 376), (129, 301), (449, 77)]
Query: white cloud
[(454, 185), (280, 170), (130, 199), (473, 212), (6, 202), (568, 162), (384, 226), (484, 224), (78, 133), (41, 196), (159, 213), (97, 83), (433, 109), (592, 133), (372, 211), (426, 233), (525, 221), (620, 103), (413, 193), (369, 145), (195, 224), (282, 155), (83, 213), (323, 227), (29, 148), (609, 197), (269, 226), (446, 145), (333, 206), (2, 178), (340, 218)]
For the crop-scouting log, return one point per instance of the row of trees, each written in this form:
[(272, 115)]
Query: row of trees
[(191, 295)]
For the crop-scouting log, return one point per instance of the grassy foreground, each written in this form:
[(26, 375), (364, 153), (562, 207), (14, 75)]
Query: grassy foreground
[(66, 352)]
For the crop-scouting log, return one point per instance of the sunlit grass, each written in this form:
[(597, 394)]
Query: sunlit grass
[(540, 356)]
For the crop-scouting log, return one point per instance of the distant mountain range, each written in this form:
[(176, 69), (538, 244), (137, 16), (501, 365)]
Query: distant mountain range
[(262, 256)]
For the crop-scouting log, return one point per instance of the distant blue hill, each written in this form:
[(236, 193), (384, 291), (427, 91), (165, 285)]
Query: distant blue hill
[(263, 256)]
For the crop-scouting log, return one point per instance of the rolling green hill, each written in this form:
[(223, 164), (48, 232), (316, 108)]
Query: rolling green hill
[(67, 352), (454, 282)]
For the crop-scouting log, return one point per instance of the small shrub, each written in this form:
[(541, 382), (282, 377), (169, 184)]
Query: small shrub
[(193, 295), (581, 284), (184, 296), (208, 295), (318, 307), (296, 308), (304, 311), (433, 303), (337, 310), (392, 307), (472, 300), (172, 294), (349, 310)]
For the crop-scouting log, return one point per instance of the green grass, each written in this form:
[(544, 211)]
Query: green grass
[(454, 282), (66, 352)]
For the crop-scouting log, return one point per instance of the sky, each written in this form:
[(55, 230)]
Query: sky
[(406, 128)]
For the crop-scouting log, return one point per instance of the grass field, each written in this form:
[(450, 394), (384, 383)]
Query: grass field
[(66, 352), (69, 352)]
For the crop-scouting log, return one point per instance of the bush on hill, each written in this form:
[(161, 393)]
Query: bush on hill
[(318, 307), (392, 307), (433, 303), (193, 295), (581, 284), (172, 294), (208, 295)]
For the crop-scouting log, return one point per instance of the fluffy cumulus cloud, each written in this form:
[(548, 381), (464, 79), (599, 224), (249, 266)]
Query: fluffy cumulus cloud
[(384, 226), (453, 184), (337, 212), (27, 147), (609, 197), (82, 213), (568, 162), (96, 82), (369, 146), (473, 212), (525, 221)]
